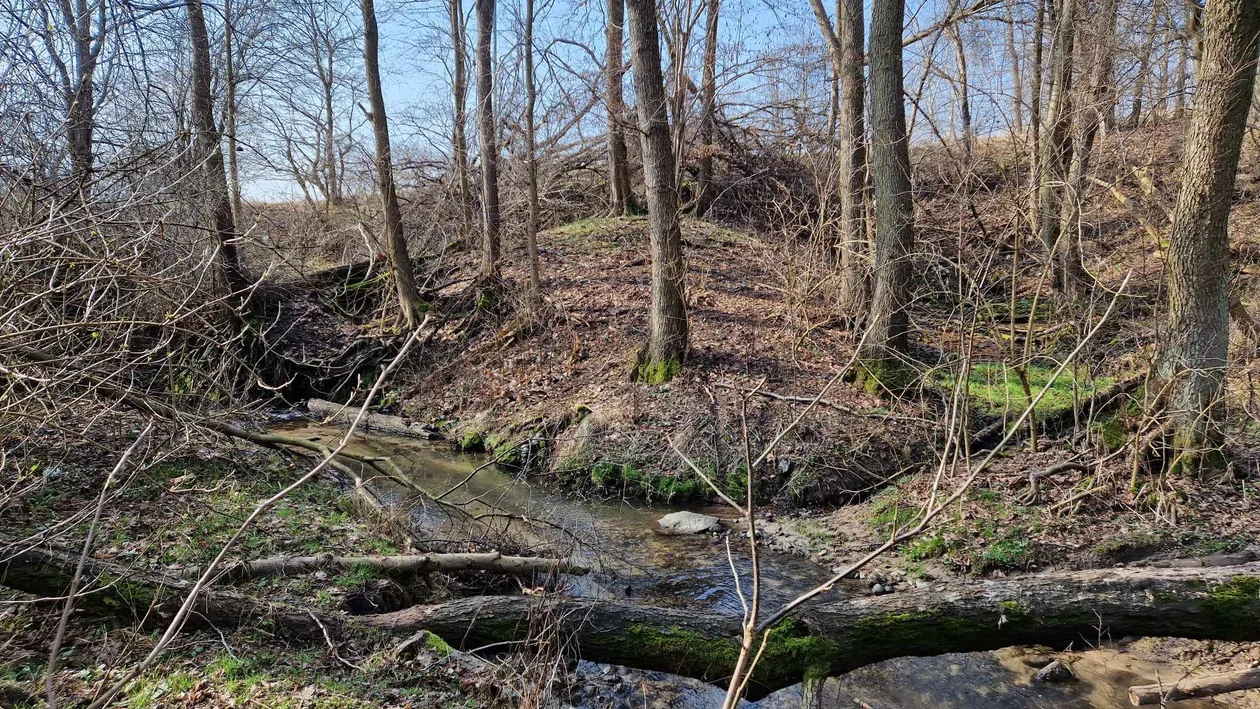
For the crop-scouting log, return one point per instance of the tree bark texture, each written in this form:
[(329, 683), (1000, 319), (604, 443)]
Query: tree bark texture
[(855, 252), (888, 328), (1057, 236), (395, 242), (620, 197), (459, 138), (531, 167), (667, 322), (210, 152), (488, 128), (708, 109), (1196, 343)]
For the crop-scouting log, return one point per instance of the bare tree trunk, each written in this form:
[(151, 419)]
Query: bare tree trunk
[(1194, 31), (1196, 344), (855, 256), (1017, 78), (1034, 122), (888, 330), (489, 141), (395, 243), (667, 323), (708, 99), (1094, 108), (78, 86), (621, 199), (459, 138), (964, 92), (1144, 66), (331, 191), (1056, 158), (229, 109), (1183, 61), (210, 152), (847, 48), (531, 95)]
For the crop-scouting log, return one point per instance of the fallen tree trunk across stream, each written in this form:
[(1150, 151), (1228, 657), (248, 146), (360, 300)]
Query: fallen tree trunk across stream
[(411, 564), (824, 638)]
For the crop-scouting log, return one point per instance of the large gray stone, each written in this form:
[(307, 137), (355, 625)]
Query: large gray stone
[(688, 523)]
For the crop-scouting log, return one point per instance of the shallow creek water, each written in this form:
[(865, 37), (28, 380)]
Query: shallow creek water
[(618, 538), (633, 561)]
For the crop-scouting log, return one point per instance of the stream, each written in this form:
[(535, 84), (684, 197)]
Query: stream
[(618, 538)]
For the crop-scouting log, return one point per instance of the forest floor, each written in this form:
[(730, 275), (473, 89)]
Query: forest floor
[(176, 515)]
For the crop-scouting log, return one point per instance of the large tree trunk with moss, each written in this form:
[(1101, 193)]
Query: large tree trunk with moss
[(1221, 602), (667, 327), (830, 638), (395, 243), (888, 329), (1196, 344)]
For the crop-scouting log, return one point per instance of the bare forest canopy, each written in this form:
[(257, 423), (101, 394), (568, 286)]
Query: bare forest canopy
[(964, 270)]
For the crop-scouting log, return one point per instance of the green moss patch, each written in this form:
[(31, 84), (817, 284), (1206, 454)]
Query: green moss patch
[(996, 388), (790, 655)]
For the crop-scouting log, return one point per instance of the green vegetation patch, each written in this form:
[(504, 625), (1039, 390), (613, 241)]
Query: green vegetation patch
[(996, 388), (598, 233), (630, 479), (892, 513)]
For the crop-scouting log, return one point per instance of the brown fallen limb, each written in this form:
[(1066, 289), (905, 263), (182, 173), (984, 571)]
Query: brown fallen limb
[(837, 636), (392, 425), (1196, 687), (1035, 476), (493, 562)]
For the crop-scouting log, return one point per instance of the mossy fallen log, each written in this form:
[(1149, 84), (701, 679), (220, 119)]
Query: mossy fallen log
[(835, 637), (824, 638)]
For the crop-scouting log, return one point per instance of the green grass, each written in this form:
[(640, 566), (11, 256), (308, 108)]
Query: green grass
[(996, 388), (890, 514), (924, 548)]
